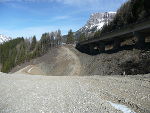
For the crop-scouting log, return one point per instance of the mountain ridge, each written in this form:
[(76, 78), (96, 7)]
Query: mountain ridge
[(96, 22), (3, 38)]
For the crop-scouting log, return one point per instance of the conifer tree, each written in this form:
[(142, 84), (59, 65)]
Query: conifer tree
[(33, 43), (82, 37), (70, 37)]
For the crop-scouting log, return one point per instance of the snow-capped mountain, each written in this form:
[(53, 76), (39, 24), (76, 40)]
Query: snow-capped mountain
[(96, 22), (4, 39)]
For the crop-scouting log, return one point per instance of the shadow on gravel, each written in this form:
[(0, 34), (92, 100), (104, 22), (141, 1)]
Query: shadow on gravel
[(136, 67), (126, 47)]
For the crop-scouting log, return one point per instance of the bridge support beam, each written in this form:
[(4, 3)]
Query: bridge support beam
[(101, 47), (116, 44), (140, 39)]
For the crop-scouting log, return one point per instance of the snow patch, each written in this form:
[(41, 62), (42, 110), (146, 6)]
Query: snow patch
[(100, 25), (4, 38), (122, 108)]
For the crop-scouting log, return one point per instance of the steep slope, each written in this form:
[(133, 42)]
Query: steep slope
[(4, 39), (57, 62), (66, 60)]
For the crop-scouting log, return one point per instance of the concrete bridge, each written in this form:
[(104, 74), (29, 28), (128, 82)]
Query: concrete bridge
[(138, 30)]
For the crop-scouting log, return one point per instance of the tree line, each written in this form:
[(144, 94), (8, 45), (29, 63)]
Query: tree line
[(20, 50), (71, 39)]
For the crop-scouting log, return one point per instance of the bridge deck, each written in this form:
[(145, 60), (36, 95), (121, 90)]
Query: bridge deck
[(142, 27)]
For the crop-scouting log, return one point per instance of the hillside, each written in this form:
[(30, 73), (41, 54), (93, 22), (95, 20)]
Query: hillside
[(20, 50), (57, 62), (66, 60)]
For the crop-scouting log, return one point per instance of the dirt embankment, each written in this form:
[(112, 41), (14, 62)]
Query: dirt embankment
[(126, 62), (66, 60), (57, 62)]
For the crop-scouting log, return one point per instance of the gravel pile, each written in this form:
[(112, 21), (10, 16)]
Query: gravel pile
[(126, 62)]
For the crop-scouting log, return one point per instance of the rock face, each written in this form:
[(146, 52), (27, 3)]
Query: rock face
[(96, 22), (4, 39)]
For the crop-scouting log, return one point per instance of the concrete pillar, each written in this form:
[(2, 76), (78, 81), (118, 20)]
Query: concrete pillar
[(140, 39), (117, 44), (101, 47)]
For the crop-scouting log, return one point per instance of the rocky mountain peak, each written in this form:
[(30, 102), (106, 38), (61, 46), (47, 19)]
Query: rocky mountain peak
[(96, 22)]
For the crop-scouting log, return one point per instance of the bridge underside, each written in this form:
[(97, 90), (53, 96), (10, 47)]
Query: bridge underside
[(138, 40), (137, 33)]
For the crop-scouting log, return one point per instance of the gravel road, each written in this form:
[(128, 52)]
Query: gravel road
[(21, 93), (41, 94)]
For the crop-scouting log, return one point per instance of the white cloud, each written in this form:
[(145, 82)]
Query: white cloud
[(61, 17), (68, 2), (91, 5), (73, 2), (80, 2)]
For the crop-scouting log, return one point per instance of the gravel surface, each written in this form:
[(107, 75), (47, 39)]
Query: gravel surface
[(21, 93), (41, 94)]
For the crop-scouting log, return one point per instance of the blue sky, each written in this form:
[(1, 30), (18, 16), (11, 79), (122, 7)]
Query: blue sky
[(34, 17)]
